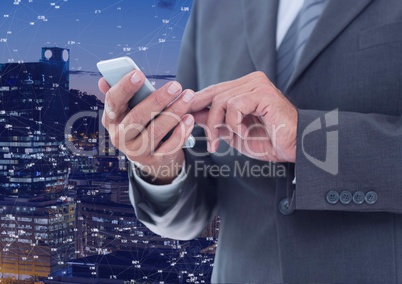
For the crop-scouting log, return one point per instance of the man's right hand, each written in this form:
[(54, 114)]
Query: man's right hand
[(139, 132)]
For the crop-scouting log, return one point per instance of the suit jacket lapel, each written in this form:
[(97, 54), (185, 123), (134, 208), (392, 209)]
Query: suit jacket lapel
[(337, 15), (260, 21)]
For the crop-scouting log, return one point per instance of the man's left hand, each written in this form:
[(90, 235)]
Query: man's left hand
[(251, 115)]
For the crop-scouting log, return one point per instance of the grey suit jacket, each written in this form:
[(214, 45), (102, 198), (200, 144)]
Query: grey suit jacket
[(341, 222)]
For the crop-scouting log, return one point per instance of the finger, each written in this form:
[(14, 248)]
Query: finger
[(201, 117), (256, 144), (178, 137), (217, 115), (160, 98), (168, 119), (204, 97), (103, 85), (232, 140), (111, 117), (112, 127), (169, 148), (236, 109), (117, 97), (153, 134), (153, 105), (215, 120)]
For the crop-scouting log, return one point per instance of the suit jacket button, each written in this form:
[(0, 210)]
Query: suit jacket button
[(371, 197), (358, 197), (345, 197), (284, 207), (332, 197)]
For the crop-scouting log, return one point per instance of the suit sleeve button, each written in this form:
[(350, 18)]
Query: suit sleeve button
[(332, 197), (345, 197), (371, 197), (358, 197), (284, 207)]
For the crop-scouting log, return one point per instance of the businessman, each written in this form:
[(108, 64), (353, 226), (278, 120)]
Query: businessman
[(311, 90)]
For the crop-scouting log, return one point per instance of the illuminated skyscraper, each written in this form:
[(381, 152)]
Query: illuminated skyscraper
[(36, 236), (33, 112)]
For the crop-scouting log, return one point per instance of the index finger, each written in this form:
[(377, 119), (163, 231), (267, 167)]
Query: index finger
[(117, 96), (204, 97), (103, 85)]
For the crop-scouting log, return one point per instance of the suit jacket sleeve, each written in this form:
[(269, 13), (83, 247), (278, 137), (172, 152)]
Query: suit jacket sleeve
[(349, 100), (195, 204), (347, 154)]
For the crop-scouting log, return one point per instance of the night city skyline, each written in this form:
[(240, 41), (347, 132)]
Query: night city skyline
[(148, 31), (65, 216)]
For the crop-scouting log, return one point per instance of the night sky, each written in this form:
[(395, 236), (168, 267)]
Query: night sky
[(149, 31)]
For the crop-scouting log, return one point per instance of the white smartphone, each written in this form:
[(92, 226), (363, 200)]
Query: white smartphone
[(115, 69)]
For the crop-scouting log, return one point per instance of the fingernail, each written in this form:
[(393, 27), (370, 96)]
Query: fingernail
[(188, 96), (209, 146), (189, 120), (174, 88), (135, 78)]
